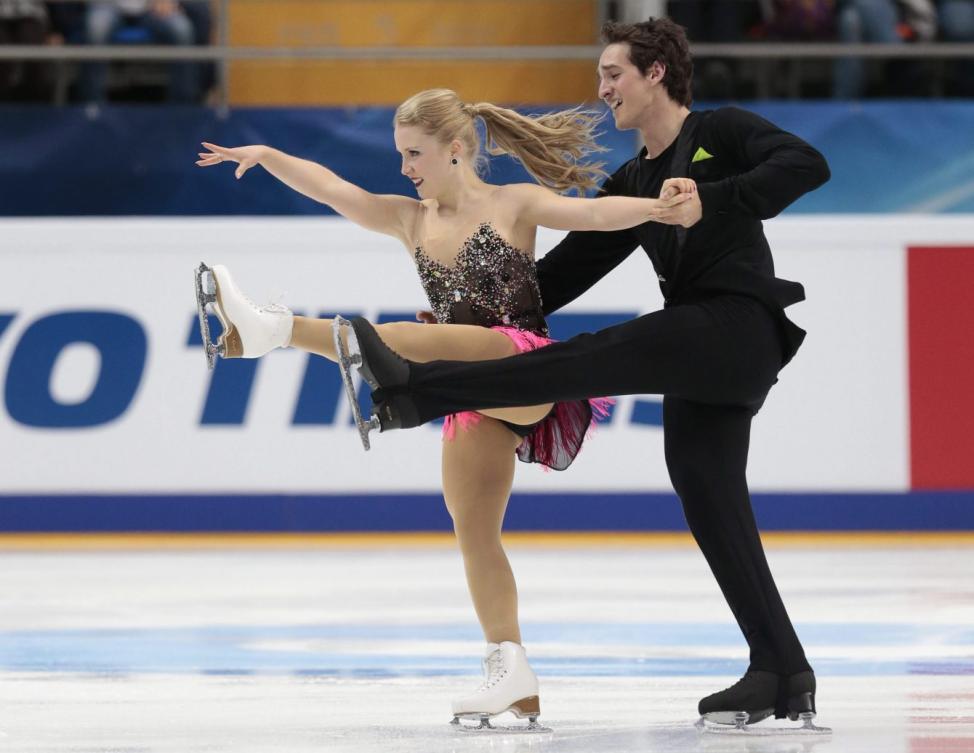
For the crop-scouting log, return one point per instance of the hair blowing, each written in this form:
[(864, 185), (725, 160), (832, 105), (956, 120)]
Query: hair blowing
[(662, 40), (552, 147)]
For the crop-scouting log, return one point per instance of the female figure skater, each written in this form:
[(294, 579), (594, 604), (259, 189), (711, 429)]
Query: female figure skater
[(473, 244)]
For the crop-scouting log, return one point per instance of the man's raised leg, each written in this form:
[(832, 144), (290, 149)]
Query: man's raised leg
[(699, 352)]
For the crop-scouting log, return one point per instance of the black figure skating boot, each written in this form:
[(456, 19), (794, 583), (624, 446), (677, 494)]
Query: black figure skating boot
[(383, 370), (759, 695)]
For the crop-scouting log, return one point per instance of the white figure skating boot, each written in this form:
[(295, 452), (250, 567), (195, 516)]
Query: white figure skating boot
[(249, 330), (509, 685)]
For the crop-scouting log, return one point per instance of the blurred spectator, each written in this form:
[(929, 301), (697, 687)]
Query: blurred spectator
[(636, 11), (918, 20), (715, 21), (799, 20), (881, 21), (68, 21), (141, 22), (67, 27), (25, 22), (201, 15), (795, 21), (956, 20)]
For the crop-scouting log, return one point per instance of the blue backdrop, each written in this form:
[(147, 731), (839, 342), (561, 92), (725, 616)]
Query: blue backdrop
[(139, 160)]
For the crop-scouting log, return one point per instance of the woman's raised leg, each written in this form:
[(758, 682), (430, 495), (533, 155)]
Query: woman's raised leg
[(250, 331)]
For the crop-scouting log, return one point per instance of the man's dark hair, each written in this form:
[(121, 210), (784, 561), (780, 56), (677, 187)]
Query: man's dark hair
[(658, 39)]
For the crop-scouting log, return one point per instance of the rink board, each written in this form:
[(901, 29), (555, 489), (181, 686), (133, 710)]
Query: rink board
[(110, 420), (604, 512)]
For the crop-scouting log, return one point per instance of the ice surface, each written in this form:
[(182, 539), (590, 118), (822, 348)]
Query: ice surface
[(361, 650)]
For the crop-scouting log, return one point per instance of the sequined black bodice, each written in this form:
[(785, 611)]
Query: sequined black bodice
[(490, 284)]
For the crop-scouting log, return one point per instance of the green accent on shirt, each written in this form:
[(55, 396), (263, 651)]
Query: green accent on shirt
[(701, 155)]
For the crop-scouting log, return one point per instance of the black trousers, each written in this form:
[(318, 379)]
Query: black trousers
[(714, 363)]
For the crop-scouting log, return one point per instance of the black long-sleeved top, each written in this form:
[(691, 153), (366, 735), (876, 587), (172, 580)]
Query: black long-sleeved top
[(747, 170)]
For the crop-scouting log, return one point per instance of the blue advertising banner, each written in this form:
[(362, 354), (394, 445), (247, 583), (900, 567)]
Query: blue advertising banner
[(904, 156)]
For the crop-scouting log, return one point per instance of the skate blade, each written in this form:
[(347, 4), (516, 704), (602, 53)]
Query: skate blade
[(347, 358), (740, 723), (205, 284), (468, 724)]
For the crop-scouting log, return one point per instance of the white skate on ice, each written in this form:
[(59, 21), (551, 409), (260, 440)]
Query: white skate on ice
[(249, 330), (509, 685)]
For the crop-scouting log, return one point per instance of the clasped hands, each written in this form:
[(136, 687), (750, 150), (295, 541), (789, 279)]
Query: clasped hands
[(679, 203)]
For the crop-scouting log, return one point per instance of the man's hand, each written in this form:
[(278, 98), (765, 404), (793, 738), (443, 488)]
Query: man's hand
[(673, 186), (687, 213)]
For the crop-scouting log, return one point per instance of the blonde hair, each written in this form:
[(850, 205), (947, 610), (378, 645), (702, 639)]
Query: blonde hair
[(551, 147)]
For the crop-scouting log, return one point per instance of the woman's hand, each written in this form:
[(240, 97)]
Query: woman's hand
[(247, 156), (426, 317)]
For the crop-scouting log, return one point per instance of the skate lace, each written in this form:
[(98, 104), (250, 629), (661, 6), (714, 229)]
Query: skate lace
[(275, 306), (268, 308), (494, 670)]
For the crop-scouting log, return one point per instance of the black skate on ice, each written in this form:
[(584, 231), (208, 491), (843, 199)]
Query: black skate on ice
[(206, 294), (347, 358), (755, 697)]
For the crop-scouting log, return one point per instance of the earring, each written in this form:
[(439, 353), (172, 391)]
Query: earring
[(454, 161)]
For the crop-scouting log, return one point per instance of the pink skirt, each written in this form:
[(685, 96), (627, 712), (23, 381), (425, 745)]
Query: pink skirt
[(556, 439)]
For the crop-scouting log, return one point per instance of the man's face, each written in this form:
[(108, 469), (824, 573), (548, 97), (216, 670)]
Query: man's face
[(623, 88)]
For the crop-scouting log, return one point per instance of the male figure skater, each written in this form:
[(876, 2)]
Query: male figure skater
[(713, 351)]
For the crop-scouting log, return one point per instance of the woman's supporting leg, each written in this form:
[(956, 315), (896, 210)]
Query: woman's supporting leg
[(478, 471), (423, 343)]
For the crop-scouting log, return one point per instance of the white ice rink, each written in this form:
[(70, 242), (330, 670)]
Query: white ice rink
[(329, 646)]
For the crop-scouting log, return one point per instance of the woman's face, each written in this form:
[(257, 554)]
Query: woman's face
[(425, 161)]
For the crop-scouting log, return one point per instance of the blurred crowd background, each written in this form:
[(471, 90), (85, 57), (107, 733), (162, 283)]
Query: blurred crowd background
[(116, 95), (714, 26)]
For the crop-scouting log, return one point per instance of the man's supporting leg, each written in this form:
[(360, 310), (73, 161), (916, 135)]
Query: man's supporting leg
[(706, 453)]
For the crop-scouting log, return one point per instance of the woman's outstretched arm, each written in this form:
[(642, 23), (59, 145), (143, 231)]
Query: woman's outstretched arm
[(389, 214), (540, 206)]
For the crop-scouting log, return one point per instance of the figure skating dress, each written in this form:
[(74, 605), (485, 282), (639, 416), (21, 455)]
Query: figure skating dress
[(492, 284)]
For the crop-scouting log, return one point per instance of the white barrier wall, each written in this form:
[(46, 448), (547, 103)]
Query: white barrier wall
[(837, 420)]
